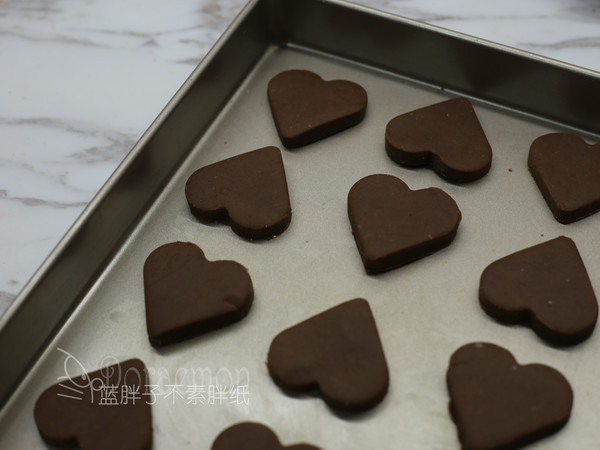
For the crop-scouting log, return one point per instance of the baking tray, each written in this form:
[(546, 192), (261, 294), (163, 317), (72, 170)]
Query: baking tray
[(85, 304)]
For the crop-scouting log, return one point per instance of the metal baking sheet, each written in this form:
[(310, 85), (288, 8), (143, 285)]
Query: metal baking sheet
[(85, 306)]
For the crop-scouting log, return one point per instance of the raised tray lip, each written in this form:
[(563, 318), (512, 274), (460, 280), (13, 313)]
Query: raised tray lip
[(269, 10), (541, 74), (120, 170), (469, 37), (93, 208)]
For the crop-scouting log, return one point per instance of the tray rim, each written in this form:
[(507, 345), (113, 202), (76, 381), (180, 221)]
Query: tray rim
[(269, 14)]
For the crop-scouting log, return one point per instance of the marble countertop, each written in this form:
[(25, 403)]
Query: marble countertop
[(81, 80)]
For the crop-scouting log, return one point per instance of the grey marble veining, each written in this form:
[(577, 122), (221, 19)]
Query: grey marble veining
[(82, 80)]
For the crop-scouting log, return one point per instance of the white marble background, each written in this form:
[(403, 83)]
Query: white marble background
[(80, 81)]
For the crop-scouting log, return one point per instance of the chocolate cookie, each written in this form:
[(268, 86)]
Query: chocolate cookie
[(337, 352), (498, 404), (566, 170), (393, 225), (546, 286), (306, 108), (252, 436), (446, 136), (248, 191), (104, 409), (187, 295)]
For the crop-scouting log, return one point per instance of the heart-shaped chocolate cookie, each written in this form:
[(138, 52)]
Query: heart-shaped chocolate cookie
[(108, 408), (566, 170), (393, 225), (446, 136), (248, 191), (546, 286), (252, 436), (337, 352), (306, 108), (187, 295), (499, 404)]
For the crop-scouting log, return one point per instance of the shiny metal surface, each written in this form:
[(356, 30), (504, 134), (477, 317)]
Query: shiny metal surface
[(87, 300)]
